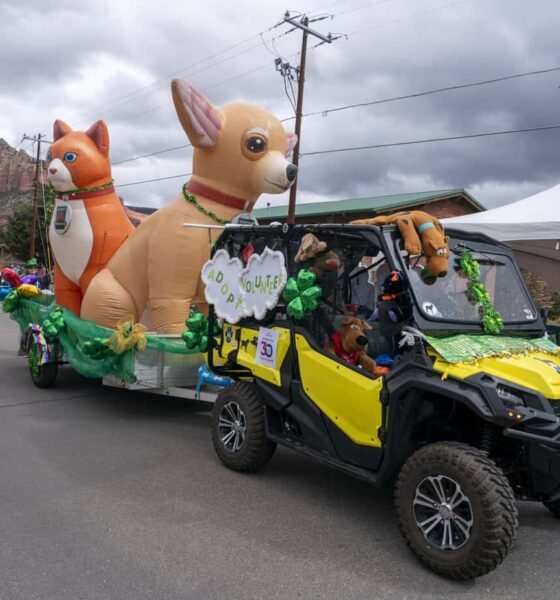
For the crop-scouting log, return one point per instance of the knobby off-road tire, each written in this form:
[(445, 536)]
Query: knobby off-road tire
[(238, 429), (43, 376), (478, 516), (553, 507)]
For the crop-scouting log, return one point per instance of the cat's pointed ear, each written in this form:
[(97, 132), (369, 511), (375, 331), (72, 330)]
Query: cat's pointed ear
[(99, 133), (60, 129)]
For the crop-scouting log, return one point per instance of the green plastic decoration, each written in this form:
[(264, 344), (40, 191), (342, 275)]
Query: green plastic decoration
[(53, 324), (301, 294), (490, 318), (196, 336), (10, 302), (97, 349)]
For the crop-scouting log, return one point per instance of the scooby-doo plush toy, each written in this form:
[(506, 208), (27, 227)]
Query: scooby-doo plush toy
[(349, 343), (422, 234)]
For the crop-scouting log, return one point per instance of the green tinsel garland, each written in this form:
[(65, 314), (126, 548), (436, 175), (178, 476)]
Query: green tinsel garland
[(86, 189), (189, 198), (491, 321)]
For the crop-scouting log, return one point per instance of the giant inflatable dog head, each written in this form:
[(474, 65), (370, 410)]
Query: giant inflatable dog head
[(239, 149)]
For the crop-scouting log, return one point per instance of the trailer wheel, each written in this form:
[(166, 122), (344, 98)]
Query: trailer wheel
[(238, 429), (43, 376), (553, 507), (456, 510)]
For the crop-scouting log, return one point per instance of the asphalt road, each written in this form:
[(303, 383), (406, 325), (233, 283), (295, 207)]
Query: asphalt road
[(107, 494)]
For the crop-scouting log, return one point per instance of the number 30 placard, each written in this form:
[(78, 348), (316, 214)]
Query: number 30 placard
[(267, 344)]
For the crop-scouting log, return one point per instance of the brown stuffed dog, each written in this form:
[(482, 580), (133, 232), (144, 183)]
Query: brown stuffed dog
[(422, 234), (324, 260), (349, 343)]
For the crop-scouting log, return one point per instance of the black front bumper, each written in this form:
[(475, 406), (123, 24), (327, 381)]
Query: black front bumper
[(542, 443)]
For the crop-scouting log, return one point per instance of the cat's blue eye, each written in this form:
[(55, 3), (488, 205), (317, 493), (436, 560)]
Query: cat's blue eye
[(70, 157), (49, 156)]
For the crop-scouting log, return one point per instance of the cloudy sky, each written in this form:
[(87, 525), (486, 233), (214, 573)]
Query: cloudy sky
[(81, 61)]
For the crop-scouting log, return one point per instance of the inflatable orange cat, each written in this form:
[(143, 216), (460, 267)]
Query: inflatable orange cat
[(88, 223)]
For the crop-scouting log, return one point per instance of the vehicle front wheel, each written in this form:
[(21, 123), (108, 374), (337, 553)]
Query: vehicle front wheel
[(238, 428), (42, 375), (456, 510), (554, 507)]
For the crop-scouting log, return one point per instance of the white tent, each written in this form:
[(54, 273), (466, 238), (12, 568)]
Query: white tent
[(530, 226)]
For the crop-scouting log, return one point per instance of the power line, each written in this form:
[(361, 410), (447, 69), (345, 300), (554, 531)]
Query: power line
[(374, 102), (374, 146), (413, 16), (152, 180), (160, 83), (430, 92), (431, 140), (120, 162)]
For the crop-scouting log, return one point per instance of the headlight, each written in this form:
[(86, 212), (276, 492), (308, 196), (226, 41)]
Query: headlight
[(510, 397)]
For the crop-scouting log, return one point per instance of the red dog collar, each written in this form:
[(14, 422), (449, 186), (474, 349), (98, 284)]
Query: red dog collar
[(350, 357), (199, 188)]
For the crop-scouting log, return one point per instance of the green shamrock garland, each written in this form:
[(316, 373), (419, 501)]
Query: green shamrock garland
[(491, 321), (196, 335), (301, 294), (53, 324)]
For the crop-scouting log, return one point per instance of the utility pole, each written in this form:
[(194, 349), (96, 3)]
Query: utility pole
[(35, 192), (302, 24)]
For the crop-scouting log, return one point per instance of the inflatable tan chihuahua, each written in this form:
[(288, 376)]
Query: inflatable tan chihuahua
[(239, 153)]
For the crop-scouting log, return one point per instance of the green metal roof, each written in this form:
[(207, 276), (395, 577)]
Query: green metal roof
[(375, 203)]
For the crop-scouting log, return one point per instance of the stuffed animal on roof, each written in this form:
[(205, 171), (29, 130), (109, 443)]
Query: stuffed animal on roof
[(422, 235), (349, 343)]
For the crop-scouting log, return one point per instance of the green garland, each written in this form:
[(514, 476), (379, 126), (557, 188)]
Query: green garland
[(87, 189), (491, 321), (189, 198)]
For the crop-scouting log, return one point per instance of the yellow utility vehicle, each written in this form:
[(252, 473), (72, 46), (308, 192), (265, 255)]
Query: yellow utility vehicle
[(460, 440)]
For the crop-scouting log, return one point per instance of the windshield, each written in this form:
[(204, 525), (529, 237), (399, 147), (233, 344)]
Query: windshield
[(447, 298)]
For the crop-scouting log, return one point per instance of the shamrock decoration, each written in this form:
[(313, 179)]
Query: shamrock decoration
[(53, 324), (196, 335), (97, 349), (301, 294), (490, 318), (10, 302)]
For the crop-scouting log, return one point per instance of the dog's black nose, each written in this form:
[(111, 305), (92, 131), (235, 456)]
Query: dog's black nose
[(361, 340), (291, 172)]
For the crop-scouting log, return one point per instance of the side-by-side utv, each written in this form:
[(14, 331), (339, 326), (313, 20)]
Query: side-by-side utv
[(459, 440)]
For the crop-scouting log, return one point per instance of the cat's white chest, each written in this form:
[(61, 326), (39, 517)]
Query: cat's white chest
[(71, 238)]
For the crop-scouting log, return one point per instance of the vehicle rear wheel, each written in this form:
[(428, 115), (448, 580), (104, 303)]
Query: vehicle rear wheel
[(43, 376), (238, 429), (554, 507), (456, 510)]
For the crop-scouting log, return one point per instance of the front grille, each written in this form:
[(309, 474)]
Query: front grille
[(556, 407)]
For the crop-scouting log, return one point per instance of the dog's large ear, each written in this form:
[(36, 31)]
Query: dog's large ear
[(99, 133), (291, 141), (200, 119), (60, 129)]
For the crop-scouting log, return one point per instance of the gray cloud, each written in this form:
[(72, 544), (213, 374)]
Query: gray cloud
[(81, 61)]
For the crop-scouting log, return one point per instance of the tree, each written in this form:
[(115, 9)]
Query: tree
[(17, 232)]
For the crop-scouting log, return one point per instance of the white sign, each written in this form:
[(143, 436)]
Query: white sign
[(221, 276), (262, 282), (267, 346), (236, 292)]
